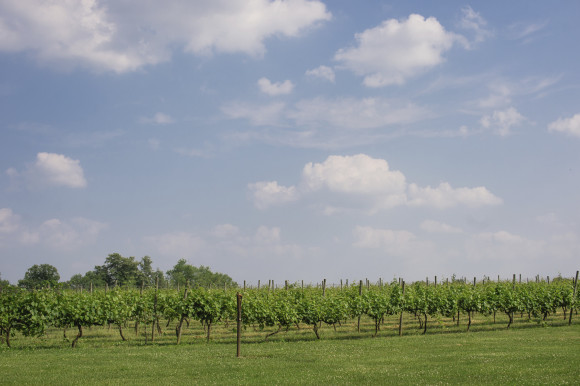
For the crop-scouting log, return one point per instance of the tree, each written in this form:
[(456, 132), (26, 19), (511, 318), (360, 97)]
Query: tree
[(146, 273), (118, 270), (87, 280), (40, 276), (183, 273), (4, 283)]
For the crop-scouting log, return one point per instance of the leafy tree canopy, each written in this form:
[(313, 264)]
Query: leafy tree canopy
[(122, 271), (119, 270), (4, 283), (127, 271), (40, 276), (183, 273)]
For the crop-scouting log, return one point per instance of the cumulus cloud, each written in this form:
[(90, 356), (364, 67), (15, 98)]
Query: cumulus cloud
[(400, 243), (369, 184), (267, 235), (323, 72), (359, 174), (502, 121), (9, 222), (53, 233), (68, 235), (397, 50), (273, 89), (445, 196), (52, 170), (123, 35), (182, 244), (569, 126), (505, 246), (268, 193), (75, 31), (368, 237), (264, 245), (502, 250)]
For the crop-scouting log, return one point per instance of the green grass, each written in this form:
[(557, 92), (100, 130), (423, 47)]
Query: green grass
[(490, 354)]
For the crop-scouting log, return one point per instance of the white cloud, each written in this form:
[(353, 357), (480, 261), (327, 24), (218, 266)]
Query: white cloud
[(266, 194), (524, 30), (351, 113), (9, 222), (502, 91), (323, 72), (52, 169), (445, 196), (329, 115), (176, 244), (273, 89), (472, 20), (68, 235), (263, 115), (225, 245), (124, 35), (205, 151), (394, 242), (569, 126), (502, 121), (54, 233), (358, 174), (76, 31), (397, 50), (433, 226), (506, 247), (225, 231), (158, 119), (266, 235), (368, 184), (500, 96), (490, 252)]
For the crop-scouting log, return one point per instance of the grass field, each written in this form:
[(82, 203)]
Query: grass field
[(528, 353)]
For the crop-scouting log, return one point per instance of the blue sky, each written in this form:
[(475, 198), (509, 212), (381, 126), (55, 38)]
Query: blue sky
[(291, 140)]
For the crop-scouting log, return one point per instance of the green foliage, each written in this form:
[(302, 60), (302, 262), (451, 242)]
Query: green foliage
[(3, 283), (40, 276), (119, 270), (183, 273), (29, 312)]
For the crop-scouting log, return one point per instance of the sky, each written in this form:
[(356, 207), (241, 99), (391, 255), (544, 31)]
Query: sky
[(291, 139)]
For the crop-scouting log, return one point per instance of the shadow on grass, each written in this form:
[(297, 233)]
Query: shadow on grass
[(103, 337)]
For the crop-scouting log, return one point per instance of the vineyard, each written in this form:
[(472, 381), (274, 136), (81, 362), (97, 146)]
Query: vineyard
[(151, 311)]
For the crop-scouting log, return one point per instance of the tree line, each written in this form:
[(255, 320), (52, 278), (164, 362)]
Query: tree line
[(123, 271)]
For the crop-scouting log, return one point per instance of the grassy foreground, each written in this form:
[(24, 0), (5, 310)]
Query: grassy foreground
[(549, 355)]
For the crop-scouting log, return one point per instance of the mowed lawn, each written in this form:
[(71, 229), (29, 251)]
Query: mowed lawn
[(490, 354)]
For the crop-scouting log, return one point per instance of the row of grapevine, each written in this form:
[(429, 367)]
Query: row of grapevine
[(31, 312)]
